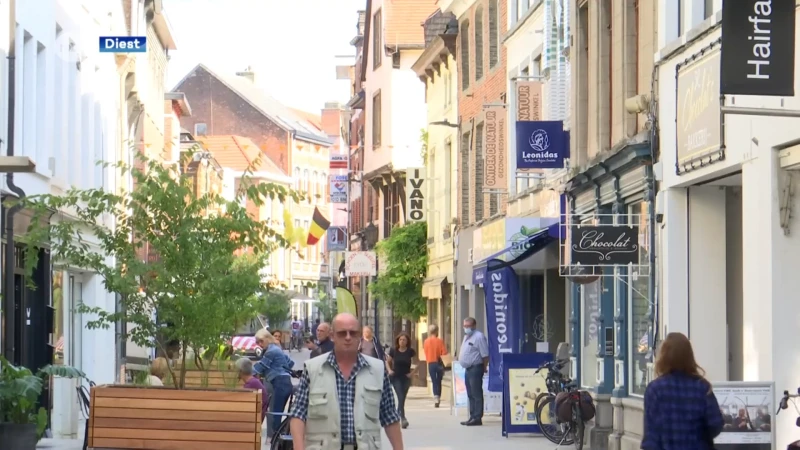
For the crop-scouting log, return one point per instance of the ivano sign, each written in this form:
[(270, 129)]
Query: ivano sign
[(415, 194)]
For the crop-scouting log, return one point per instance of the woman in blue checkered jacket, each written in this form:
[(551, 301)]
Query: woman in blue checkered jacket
[(680, 409)]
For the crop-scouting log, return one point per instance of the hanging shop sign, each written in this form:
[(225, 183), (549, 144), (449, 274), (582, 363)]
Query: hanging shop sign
[(699, 119), (529, 101), (415, 194), (338, 162), (503, 319), (542, 145), (338, 188), (758, 47), (604, 245), (337, 239), (495, 172), (360, 264)]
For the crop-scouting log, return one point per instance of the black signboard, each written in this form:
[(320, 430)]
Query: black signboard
[(758, 47), (604, 245)]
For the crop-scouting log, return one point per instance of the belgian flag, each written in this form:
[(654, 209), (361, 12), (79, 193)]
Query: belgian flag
[(319, 225)]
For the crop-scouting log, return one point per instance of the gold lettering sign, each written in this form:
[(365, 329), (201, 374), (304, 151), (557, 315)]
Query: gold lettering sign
[(698, 109)]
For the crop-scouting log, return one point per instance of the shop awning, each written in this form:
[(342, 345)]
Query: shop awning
[(432, 287), (532, 245)]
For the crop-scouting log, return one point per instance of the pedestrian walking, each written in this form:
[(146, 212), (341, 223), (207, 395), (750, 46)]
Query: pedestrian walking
[(474, 358), (323, 342), (681, 411), (434, 350), (297, 334), (400, 373), (275, 368), (367, 344), (340, 395)]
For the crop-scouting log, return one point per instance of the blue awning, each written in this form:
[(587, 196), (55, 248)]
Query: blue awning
[(532, 245)]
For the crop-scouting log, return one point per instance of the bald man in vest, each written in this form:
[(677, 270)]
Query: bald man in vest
[(344, 398)]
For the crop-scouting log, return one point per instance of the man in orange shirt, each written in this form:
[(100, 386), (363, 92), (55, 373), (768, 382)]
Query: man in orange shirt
[(434, 350)]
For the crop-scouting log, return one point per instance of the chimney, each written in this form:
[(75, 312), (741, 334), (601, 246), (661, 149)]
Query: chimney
[(248, 74), (331, 118)]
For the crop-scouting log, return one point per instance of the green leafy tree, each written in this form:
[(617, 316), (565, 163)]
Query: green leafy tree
[(276, 307), (165, 255), (406, 256)]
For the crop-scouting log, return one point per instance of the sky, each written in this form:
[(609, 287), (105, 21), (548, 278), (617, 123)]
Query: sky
[(291, 44)]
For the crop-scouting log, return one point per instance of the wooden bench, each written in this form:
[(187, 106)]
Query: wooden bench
[(133, 417)]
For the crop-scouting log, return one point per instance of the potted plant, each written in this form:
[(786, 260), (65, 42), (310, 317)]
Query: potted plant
[(22, 424), (187, 265)]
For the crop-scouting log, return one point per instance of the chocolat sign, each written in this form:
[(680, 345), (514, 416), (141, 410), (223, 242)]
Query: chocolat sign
[(604, 245)]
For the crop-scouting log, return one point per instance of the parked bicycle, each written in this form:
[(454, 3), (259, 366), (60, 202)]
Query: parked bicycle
[(784, 404), (562, 417), (555, 380), (282, 438)]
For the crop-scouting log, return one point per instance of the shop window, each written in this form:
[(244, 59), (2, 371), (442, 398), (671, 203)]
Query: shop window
[(590, 311), (76, 323), (639, 303)]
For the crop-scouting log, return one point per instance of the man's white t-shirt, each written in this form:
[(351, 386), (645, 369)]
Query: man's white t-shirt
[(297, 327)]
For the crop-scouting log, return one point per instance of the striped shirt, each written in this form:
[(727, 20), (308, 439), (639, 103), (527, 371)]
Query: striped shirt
[(680, 413)]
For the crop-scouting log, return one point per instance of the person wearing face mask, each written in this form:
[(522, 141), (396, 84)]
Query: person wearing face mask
[(474, 358)]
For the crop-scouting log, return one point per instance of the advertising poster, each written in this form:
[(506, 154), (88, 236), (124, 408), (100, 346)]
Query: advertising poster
[(492, 401), (339, 189), (747, 409), (523, 387)]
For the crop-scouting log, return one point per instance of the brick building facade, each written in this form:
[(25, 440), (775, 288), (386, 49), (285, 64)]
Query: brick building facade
[(481, 80)]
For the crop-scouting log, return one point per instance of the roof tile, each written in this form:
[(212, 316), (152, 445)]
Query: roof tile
[(238, 153)]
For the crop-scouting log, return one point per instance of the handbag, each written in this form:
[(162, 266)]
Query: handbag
[(446, 360)]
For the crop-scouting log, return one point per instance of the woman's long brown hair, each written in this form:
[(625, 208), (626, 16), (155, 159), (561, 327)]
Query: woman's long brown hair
[(397, 340), (676, 355)]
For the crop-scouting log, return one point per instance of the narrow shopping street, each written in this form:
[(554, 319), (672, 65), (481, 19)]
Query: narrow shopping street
[(430, 428)]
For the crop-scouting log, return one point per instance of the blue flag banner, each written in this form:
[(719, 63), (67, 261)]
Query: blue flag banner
[(542, 144), (503, 319)]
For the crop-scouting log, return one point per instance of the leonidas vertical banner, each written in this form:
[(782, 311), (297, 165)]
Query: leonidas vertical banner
[(496, 160), (503, 318)]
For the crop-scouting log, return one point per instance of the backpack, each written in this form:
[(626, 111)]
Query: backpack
[(565, 400)]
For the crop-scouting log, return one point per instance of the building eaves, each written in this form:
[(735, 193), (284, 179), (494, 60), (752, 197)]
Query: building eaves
[(436, 54), (183, 103)]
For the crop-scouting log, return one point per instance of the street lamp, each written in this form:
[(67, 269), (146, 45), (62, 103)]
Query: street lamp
[(371, 235)]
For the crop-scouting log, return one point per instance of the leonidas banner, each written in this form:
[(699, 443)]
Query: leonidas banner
[(495, 148)]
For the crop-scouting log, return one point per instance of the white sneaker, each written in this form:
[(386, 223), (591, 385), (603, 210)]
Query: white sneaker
[(436, 402)]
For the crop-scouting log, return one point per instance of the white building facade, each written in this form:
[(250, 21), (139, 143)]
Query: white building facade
[(729, 247), (66, 118)]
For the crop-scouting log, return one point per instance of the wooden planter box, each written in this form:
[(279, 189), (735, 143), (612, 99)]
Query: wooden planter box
[(160, 418), (220, 375)]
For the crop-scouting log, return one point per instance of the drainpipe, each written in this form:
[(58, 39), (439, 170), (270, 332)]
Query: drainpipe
[(9, 303)]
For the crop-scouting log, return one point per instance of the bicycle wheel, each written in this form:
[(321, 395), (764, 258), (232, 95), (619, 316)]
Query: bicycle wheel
[(282, 439), (538, 400), (577, 427), (557, 433)]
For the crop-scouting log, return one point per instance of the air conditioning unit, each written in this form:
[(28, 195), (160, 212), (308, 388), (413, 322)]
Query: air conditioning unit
[(790, 158)]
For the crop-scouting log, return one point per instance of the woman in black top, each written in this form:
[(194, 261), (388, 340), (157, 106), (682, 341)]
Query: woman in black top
[(399, 361)]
